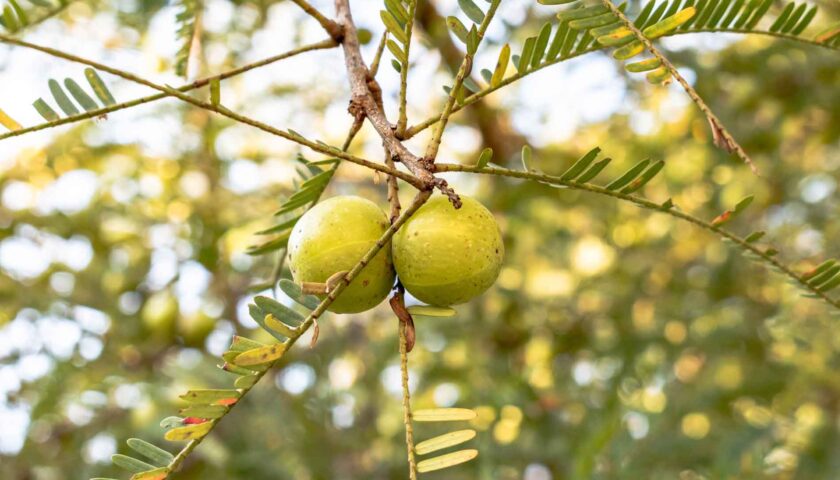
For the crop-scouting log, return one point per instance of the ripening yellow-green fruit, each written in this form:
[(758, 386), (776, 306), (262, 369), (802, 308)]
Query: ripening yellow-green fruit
[(195, 328), (332, 237), (446, 256), (159, 314)]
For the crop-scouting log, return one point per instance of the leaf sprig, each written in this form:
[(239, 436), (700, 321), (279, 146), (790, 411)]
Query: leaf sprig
[(315, 181), (816, 283)]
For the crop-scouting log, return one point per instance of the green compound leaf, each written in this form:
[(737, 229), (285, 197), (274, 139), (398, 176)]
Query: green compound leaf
[(393, 26), (280, 311), (485, 157), (157, 455), (62, 99), (644, 178), (293, 291), (457, 28), (628, 176), (246, 381), (471, 10), (594, 170), (579, 166), (99, 88), (171, 422), (83, 98), (130, 463)]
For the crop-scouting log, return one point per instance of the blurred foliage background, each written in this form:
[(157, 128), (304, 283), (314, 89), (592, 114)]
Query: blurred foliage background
[(617, 343)]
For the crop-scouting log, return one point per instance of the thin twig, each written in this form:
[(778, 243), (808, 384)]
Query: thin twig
[(744, 245), (380, 49), (223, 111), (402, 120), (324, 44), (475, 97), (463, 71), (722, 137), (334, 29), (393, 189), (366, 101)]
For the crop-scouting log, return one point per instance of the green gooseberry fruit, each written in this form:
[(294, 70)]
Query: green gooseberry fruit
[(332, 237), (159, 314), (195, 328), (446, 256)]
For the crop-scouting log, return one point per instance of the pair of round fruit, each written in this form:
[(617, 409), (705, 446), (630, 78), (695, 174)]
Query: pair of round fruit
[(443, 256)]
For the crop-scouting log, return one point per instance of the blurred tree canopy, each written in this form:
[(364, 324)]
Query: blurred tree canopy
[(616, 343)]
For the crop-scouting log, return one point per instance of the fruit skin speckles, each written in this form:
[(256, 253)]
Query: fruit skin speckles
[(332, 237), (445, 256)]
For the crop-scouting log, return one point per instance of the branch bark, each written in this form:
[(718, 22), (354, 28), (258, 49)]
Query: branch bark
[(420, 184), (366, 102), (324, 44), (366, 94)]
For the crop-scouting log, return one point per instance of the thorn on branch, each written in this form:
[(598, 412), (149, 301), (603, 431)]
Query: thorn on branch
[(724, 141), (719, 137)]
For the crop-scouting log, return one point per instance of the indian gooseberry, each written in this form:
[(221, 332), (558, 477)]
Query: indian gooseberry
[(195, 328), (332, 237), (160, 313), (445, 256)]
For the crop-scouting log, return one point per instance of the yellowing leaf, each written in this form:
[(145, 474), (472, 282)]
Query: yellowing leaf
[(501, 67), (8, 121), (446, 461), (444, 441), (274, 324), (156, 474), (190, 432), (669, 24), (828, 34), (443, 415), (261, 355)]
